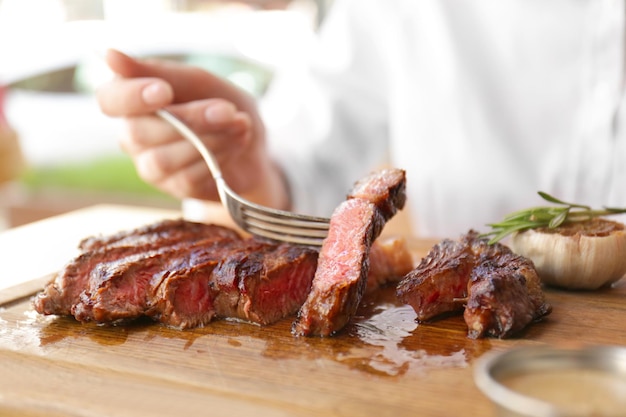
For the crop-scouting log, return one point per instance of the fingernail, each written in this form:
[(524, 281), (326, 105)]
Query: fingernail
[(219, 113), (157, 94)]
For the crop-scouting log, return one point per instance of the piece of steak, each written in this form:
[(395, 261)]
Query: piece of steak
[(504, 296), (438, 284), (63, 291), (255, 281), (264, 286), (343, 263), (121, 289)]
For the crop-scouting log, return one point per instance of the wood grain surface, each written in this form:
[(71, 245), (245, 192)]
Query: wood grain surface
[(383, 364)]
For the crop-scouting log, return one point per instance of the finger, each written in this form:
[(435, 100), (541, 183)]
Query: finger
[(194, 181), (136, 96), (219, 124), (159, 162), (143, 132)]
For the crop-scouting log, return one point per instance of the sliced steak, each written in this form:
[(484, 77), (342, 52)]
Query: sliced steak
[(438, 284), (63, 291), (264, 286), (184, 274), (343, 264), (253, 280), (121, 289)]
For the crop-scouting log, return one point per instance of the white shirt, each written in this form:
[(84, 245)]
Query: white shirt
[(483, 103)]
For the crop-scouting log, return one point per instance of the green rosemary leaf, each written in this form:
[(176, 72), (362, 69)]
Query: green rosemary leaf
[(550, 198), (555, 200), (615, 210), (558, 219)]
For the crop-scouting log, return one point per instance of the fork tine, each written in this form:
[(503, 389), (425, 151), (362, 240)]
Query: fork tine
[(301, 240), (286, 229), (282, 219)]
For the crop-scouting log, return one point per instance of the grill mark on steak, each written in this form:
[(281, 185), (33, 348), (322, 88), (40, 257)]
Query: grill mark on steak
[(162, 231), (343, 264), (501, 290), (64, 290)]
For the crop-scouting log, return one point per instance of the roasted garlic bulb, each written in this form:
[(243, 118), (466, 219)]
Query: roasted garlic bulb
[(582, 255)]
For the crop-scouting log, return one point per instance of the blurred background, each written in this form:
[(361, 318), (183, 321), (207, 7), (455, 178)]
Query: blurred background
[(58, 152)]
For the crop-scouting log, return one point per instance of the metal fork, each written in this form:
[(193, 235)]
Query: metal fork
[(262, 221)]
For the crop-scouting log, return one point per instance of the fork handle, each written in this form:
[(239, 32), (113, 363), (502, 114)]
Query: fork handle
[(184, 130)]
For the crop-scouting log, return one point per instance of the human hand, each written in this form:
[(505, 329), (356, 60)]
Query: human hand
[(223, 116)]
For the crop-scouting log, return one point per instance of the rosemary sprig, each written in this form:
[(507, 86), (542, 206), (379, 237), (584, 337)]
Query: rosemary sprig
[(546, 216)]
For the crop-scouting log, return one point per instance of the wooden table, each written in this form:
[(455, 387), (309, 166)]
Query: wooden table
[(384, 364)]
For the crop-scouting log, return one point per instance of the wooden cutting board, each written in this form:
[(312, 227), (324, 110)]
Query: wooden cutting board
[(383, 364)]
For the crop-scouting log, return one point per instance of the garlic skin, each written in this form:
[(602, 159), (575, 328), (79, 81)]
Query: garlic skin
[(576, 257)]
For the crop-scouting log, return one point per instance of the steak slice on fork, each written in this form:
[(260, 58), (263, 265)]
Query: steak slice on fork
[(343, 264)]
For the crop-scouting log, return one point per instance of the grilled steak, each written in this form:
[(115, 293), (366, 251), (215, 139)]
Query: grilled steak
[(121, 289), (438, 284), (254, 281), (504, 296), (501, 290), (184, 274), (343, 264), (64, 290)]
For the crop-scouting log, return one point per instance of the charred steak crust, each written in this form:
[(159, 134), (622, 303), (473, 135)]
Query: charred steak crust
[(263, 286), (504, 296), (159, 232), (343, 264), (386, 189), (501, 290)]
